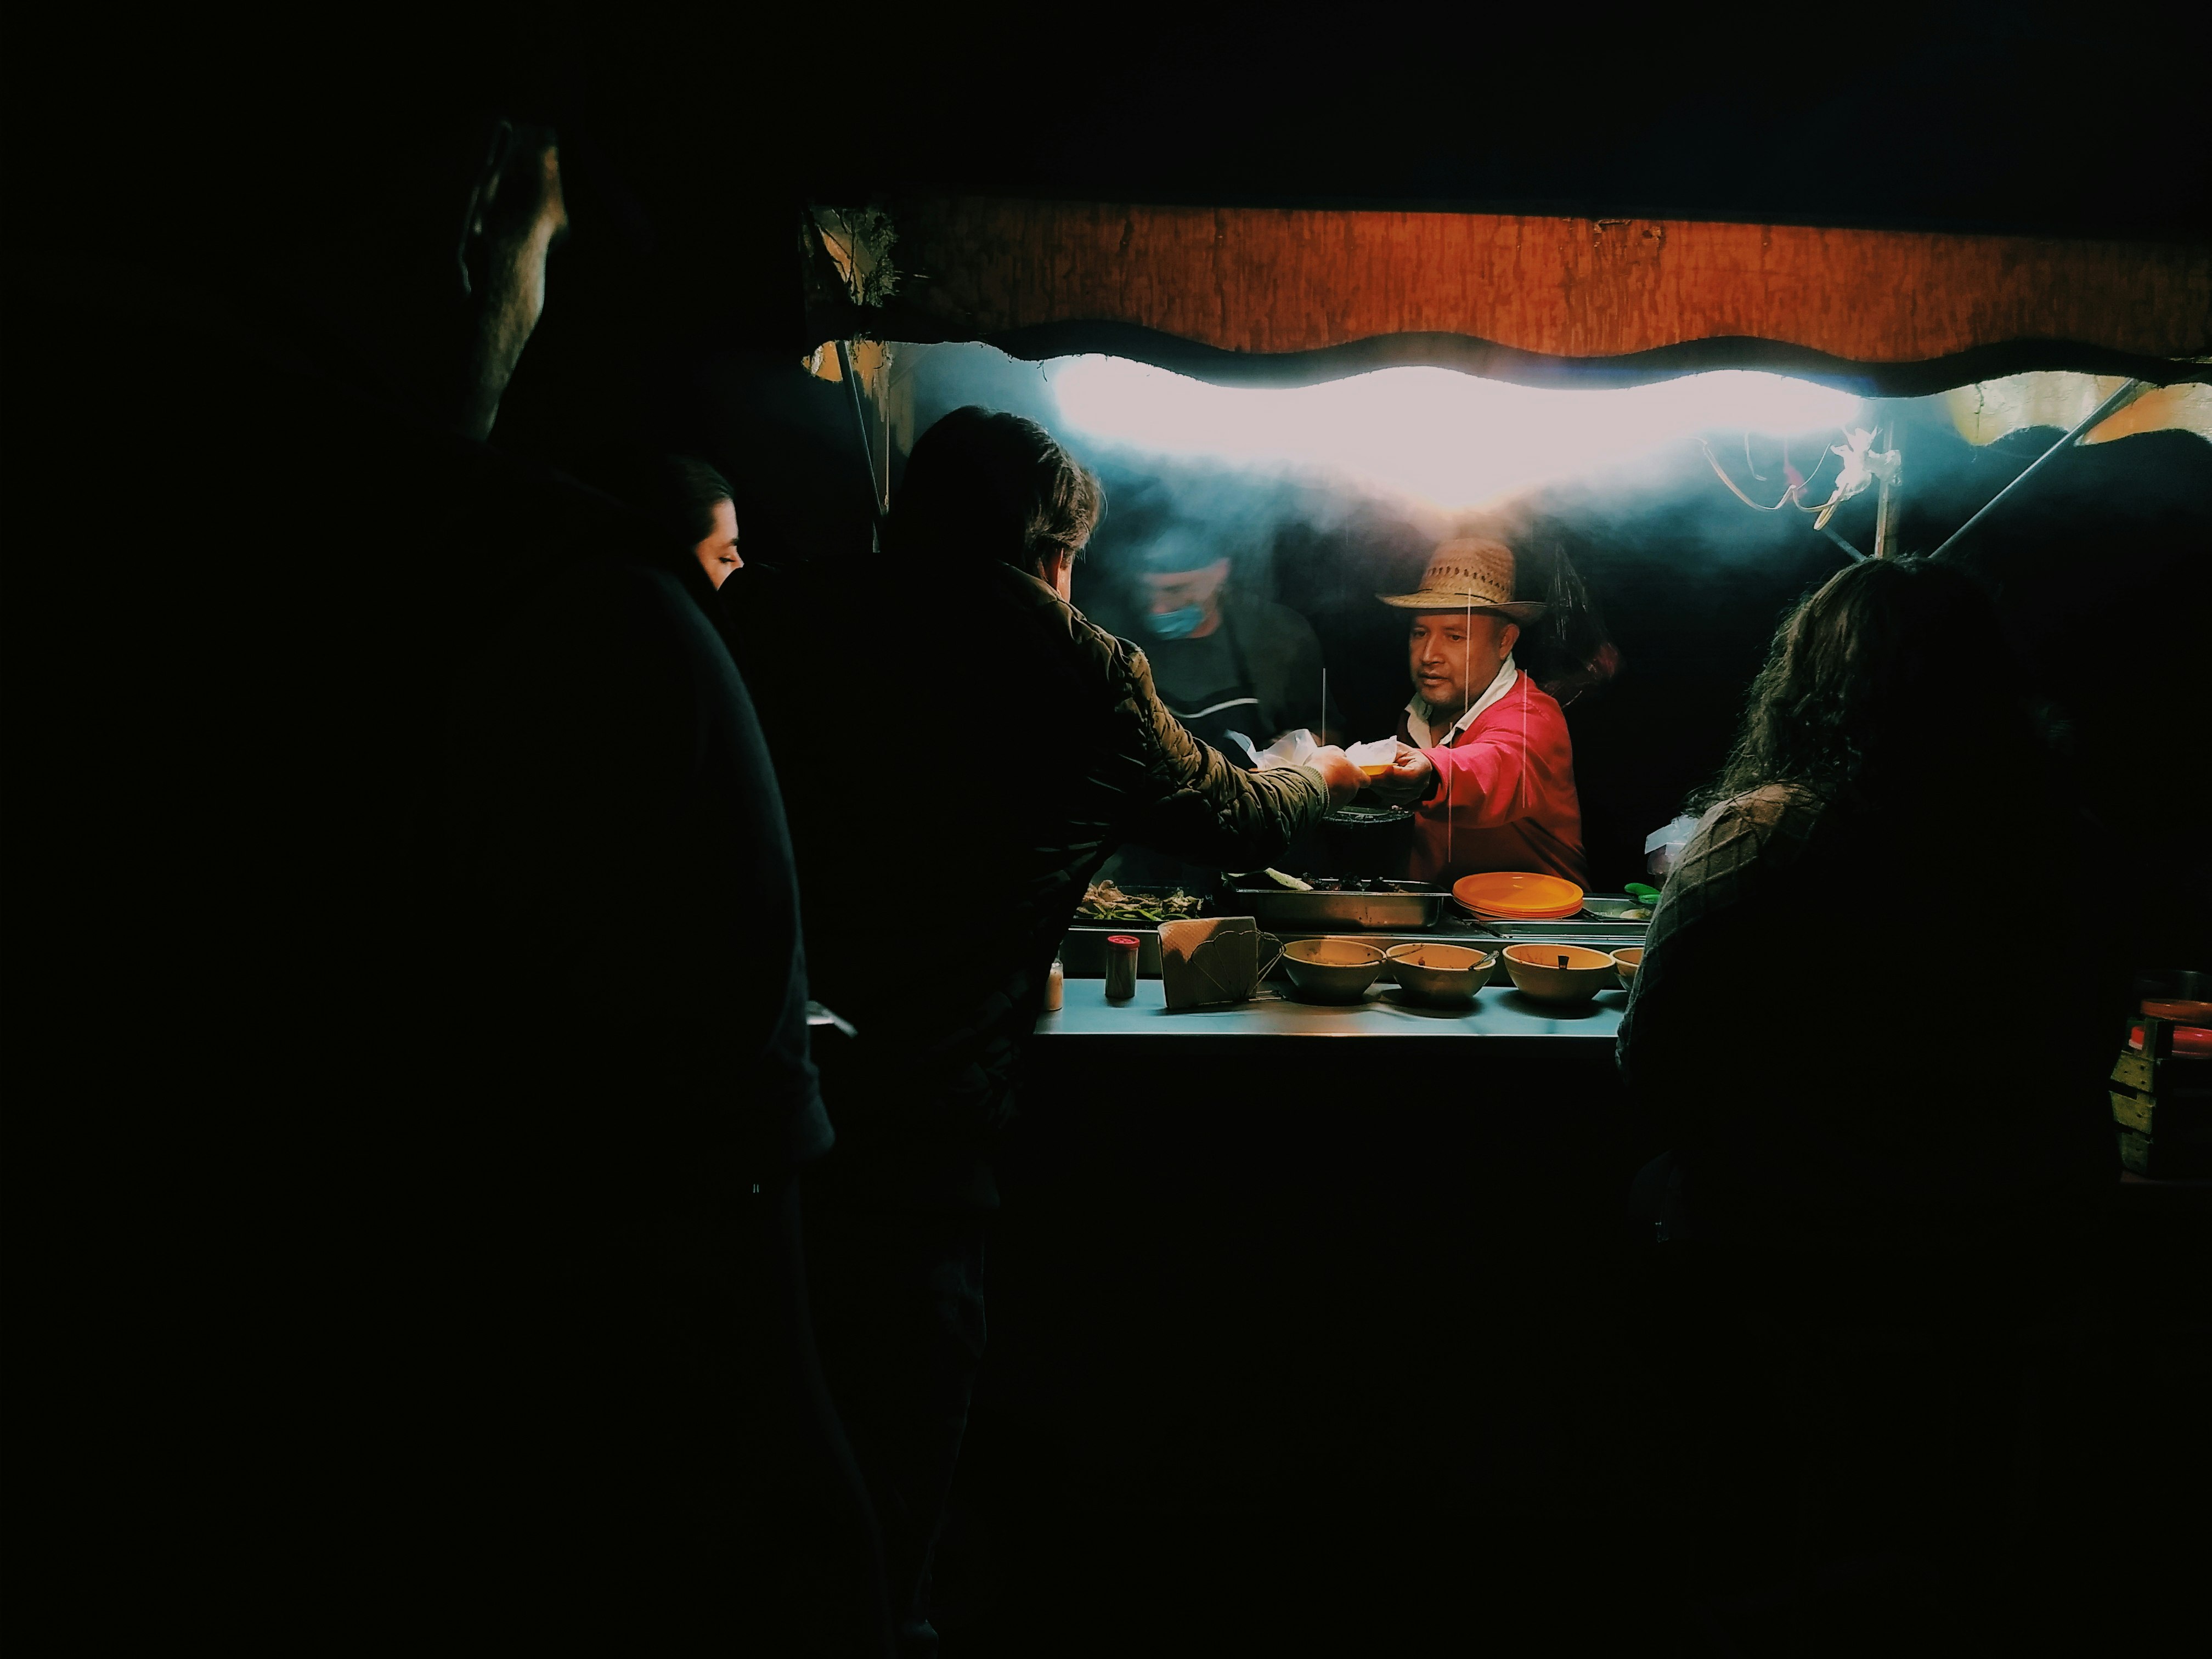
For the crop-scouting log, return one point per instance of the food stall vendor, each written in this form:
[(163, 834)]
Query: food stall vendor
[(1225, 659), (1484, 757)]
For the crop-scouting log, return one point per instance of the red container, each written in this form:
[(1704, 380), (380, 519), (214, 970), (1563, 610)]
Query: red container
[(1120, 966)]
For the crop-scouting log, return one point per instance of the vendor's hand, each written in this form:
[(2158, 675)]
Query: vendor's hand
[(1343, 778), (1411, 776)]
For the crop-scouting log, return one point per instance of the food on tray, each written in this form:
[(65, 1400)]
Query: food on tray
[(1103, 901), (1290, 882)]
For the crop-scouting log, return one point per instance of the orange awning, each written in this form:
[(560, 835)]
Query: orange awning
[(1296, 293)]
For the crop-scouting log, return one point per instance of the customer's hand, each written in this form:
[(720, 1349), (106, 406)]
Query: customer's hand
[(1411, 776), (1343, 778)]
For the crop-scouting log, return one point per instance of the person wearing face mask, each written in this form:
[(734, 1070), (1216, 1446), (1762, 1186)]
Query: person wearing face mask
[(1225, 659), (1483, 756)]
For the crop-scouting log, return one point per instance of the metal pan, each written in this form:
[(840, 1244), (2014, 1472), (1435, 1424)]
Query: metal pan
[(1393, 906)]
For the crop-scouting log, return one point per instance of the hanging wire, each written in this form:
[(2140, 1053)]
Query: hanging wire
[(1790, 497)]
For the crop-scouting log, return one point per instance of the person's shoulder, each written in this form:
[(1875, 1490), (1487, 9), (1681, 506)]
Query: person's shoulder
[(1763, 827), (1059, 617), (1266, 616), (1118, 660), (617, 614), (1524, 701), (1771, 812), (609, 574), (1541, 704)]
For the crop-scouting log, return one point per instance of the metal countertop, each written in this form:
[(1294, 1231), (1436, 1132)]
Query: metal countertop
[(1499, 1012)]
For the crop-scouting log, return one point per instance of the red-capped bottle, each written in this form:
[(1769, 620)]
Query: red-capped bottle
[(1120, 966)]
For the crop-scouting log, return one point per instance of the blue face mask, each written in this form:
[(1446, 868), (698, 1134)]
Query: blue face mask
[(1175, 624)]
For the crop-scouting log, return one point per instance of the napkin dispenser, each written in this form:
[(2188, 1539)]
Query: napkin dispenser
[(1213, 960)]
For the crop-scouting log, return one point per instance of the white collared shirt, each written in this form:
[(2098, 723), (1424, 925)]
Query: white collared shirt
[(1417, 711)]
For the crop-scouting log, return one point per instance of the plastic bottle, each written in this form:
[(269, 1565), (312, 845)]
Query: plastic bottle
[(1120, 966)]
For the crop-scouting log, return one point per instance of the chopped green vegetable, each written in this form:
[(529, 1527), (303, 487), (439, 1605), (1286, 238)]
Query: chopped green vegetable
[(1104, 901)]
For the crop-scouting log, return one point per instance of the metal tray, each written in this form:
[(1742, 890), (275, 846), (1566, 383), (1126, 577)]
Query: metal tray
[(1386, 906)]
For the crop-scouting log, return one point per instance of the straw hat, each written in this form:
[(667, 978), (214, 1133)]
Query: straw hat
[(1471, 573)]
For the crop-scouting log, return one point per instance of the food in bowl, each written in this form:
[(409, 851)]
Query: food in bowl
[(1443, 975), (1626, 963), (1331, 969), (1559, 973)]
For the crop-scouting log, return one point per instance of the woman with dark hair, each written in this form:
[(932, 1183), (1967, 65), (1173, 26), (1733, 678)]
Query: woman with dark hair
[(686, 497), (1813, 1031), (1871, 1026)]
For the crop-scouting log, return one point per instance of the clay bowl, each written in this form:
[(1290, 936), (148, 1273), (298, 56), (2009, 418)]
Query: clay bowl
[(1538, 971), (1442, 975), (1331, 969), (1626, 963)]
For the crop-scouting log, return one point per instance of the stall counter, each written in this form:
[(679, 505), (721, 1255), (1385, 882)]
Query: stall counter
[(1500, 1014)]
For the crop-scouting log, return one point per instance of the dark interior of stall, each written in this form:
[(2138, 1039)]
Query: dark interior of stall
[(1297, 1356)]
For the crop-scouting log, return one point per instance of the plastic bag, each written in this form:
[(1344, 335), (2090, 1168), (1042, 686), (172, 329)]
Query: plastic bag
[(1664, 846)]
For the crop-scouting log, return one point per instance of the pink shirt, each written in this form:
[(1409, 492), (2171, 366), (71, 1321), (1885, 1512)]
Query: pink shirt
[(1505, 798)]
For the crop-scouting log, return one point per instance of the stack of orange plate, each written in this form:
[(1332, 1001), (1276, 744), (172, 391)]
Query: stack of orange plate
[(1518, 895)]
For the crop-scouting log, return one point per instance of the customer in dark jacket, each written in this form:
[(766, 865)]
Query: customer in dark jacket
[(1810, 1031), (1008, 747), (450, 1172)]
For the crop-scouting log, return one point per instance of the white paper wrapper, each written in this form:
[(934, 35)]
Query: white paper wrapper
[(1381, 752), (1291, 749)]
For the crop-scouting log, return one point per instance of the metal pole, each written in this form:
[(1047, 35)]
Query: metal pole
[(861, 424), (2111, 406), (1885, 512)]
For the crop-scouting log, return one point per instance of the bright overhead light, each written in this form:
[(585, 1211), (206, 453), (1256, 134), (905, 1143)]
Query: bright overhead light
[(1446, 437)]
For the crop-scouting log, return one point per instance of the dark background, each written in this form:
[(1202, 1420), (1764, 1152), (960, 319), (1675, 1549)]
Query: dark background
[(1330, 1457)]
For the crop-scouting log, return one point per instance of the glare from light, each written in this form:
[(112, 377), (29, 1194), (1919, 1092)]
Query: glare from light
[(1443, 436)]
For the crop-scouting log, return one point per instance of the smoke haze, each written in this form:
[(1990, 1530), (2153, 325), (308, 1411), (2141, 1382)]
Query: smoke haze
[(2099, 567)]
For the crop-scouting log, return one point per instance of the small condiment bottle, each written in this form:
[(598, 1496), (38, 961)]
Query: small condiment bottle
[(1055, 987), (1120, 966)]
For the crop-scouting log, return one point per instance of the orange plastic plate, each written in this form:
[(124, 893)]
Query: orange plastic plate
[(1518, 894)]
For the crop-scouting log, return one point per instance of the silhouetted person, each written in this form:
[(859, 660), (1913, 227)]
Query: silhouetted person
[(448, 1153), (1027, 744), (1879, 1184), (1796, 1030)]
